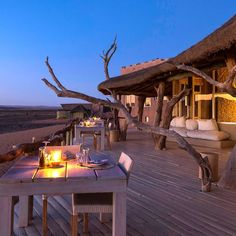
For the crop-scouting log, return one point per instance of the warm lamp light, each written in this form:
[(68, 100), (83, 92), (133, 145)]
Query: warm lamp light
[(87, 123), (55, 158)]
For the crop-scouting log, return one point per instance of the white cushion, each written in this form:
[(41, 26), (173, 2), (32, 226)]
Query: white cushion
[(180, 122), (191, 124), (173, 122), (208, 135), (207, 124)]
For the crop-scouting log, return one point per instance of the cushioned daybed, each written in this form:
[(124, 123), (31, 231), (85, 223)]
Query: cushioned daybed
[(203, 132)]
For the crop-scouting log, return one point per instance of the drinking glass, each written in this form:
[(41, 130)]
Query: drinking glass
[(86, 155), (79, 158)]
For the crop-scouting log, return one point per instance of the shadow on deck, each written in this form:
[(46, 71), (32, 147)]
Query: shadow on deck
[(164, 197)]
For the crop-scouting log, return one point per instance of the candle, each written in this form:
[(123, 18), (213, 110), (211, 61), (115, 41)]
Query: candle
[(55, 158)]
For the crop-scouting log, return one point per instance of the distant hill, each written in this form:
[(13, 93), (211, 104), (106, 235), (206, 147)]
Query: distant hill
[(16, 107)]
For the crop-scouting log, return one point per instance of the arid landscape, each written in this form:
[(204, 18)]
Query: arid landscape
[(20, 118), (20, 124)]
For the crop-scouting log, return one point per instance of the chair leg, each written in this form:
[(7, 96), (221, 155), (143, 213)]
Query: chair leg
[(74, 225), (83, 139), (31, 207), (95, 141), (104, 217), (45, 206), (85, 223), (108, 142)]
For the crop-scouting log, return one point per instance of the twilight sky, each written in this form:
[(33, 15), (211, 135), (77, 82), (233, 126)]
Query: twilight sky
[(73, 33)]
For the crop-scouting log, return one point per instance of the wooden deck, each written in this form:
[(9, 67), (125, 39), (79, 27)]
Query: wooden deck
[(164, 197)]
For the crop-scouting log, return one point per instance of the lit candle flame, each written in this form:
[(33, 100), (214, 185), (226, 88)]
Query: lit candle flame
[(56, 157)]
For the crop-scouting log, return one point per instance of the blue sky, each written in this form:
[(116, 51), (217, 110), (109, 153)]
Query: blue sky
[(73, 34)]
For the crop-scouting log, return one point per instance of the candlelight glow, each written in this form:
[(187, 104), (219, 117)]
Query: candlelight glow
[(53, 173), (87, 123), (55, 157)]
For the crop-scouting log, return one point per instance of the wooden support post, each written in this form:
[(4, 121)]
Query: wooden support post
[(85, 229), (74, 225), (25, 210), (119, 214), (67, 137), (6, 216), (71, 137), (213, 101)]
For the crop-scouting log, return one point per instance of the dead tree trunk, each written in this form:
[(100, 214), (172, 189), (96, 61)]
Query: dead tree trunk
[(106, 56), (124, 126), (228, 177), (116, 119), (123, 122), (141, 101), (160, 98), (160, 143)]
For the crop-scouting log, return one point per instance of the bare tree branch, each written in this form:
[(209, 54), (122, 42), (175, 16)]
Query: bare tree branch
[(228, 86), (107, 57), (231, 75), (53, 75), (206, 170), (51, 86)]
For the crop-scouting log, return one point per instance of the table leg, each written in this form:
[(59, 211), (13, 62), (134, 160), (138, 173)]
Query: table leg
[(25, 210), (45, 207), (6, 216), (105, 217), (119, 214)]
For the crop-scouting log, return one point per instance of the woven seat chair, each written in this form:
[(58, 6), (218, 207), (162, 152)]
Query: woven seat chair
[(96, 202)]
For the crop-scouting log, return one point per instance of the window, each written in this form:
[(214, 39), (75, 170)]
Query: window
[(147, 102), (197, 88), (146, 119), (130, 100)]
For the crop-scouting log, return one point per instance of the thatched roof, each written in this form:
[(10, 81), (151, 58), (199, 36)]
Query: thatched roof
[(80, 108), (209, 51), (76, 107)]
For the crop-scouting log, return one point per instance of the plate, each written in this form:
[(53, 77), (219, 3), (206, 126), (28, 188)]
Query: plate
[(95, 163)]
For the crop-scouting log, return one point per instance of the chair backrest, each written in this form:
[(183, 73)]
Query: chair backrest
[(125, 163)]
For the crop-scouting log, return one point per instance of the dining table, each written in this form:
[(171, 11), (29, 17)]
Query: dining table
[(93, 128), (25, 179)]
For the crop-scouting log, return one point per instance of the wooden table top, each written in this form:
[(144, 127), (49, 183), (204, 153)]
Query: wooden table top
[(26, 171)]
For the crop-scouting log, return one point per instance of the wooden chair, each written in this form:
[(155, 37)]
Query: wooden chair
[(96, 202), (97, 137)]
